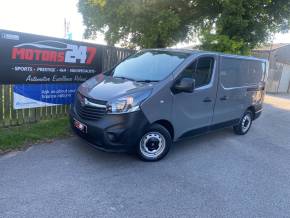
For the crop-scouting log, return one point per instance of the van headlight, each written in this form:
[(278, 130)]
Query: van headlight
[(128, 103)]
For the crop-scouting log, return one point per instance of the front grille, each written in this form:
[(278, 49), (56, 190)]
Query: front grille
[(89, 112)]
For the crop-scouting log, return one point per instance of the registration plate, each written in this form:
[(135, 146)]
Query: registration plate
[(80, 126)]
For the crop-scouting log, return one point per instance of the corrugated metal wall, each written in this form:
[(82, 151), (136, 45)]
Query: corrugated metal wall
[(279, 72)]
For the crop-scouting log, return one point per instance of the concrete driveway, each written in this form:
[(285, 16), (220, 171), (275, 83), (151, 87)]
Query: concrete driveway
[(216, 175)]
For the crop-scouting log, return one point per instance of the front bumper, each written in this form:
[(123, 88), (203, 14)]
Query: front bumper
[(112, 132)]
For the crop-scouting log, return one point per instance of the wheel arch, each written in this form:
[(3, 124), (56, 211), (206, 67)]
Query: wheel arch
[(167, 125), (253, 110)]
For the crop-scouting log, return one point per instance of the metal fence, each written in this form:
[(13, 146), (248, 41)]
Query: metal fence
[(11, 117)]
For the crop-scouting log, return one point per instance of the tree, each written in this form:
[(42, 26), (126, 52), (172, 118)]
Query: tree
[(241, 24), (234, 26), (143, 23)]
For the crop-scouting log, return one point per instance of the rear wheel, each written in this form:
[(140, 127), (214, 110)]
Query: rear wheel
[(245, 123), (154, 144)]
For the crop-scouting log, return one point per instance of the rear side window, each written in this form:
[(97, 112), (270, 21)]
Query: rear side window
[(200, 70), (236, 72)]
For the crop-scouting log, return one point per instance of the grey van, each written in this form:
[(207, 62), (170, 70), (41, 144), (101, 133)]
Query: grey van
[(158, 96)]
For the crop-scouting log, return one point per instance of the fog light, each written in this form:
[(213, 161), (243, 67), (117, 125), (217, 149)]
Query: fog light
[(111, 137)]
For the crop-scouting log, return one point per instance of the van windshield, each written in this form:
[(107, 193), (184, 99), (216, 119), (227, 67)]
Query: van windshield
[(149, 65)]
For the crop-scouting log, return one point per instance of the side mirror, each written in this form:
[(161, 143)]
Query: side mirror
[(185, 85)]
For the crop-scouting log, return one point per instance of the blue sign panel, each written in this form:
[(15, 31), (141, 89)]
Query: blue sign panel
[(41, 95)]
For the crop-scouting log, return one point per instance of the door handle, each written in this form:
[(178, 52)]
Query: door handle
[(224, 98), (207, 99)]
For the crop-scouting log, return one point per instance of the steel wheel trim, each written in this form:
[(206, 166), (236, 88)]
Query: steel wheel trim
[(147, 148), (246, 122)]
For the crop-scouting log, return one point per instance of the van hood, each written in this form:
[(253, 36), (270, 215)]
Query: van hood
[(105, 88)]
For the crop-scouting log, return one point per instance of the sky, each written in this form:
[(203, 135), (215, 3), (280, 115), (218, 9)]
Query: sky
[(46, 17), (43, 17)]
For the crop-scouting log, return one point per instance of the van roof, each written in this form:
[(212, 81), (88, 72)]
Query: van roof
[(193, 51)]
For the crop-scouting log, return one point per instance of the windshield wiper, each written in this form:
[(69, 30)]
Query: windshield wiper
[(122, 77), (147, 81)]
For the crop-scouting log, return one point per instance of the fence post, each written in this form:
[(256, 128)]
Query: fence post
[(1, 106)]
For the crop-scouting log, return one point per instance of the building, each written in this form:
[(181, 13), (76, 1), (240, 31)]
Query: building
[(279, 70)]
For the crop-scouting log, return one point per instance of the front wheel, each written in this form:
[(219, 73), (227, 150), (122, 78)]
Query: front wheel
[(245, 123), (154, 144)]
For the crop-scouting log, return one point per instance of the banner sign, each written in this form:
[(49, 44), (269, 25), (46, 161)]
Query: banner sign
[(30, 59), (43, 95)]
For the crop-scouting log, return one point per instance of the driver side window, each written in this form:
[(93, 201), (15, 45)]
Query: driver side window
[(200, 70)]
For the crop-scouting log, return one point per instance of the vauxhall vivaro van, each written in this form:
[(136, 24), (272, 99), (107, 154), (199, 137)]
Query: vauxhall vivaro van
[(158, 96)]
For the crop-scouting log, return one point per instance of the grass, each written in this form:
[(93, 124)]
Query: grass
[(16, 138)]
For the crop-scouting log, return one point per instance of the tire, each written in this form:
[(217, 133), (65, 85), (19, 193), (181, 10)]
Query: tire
[(154, 144), (245, 123)]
